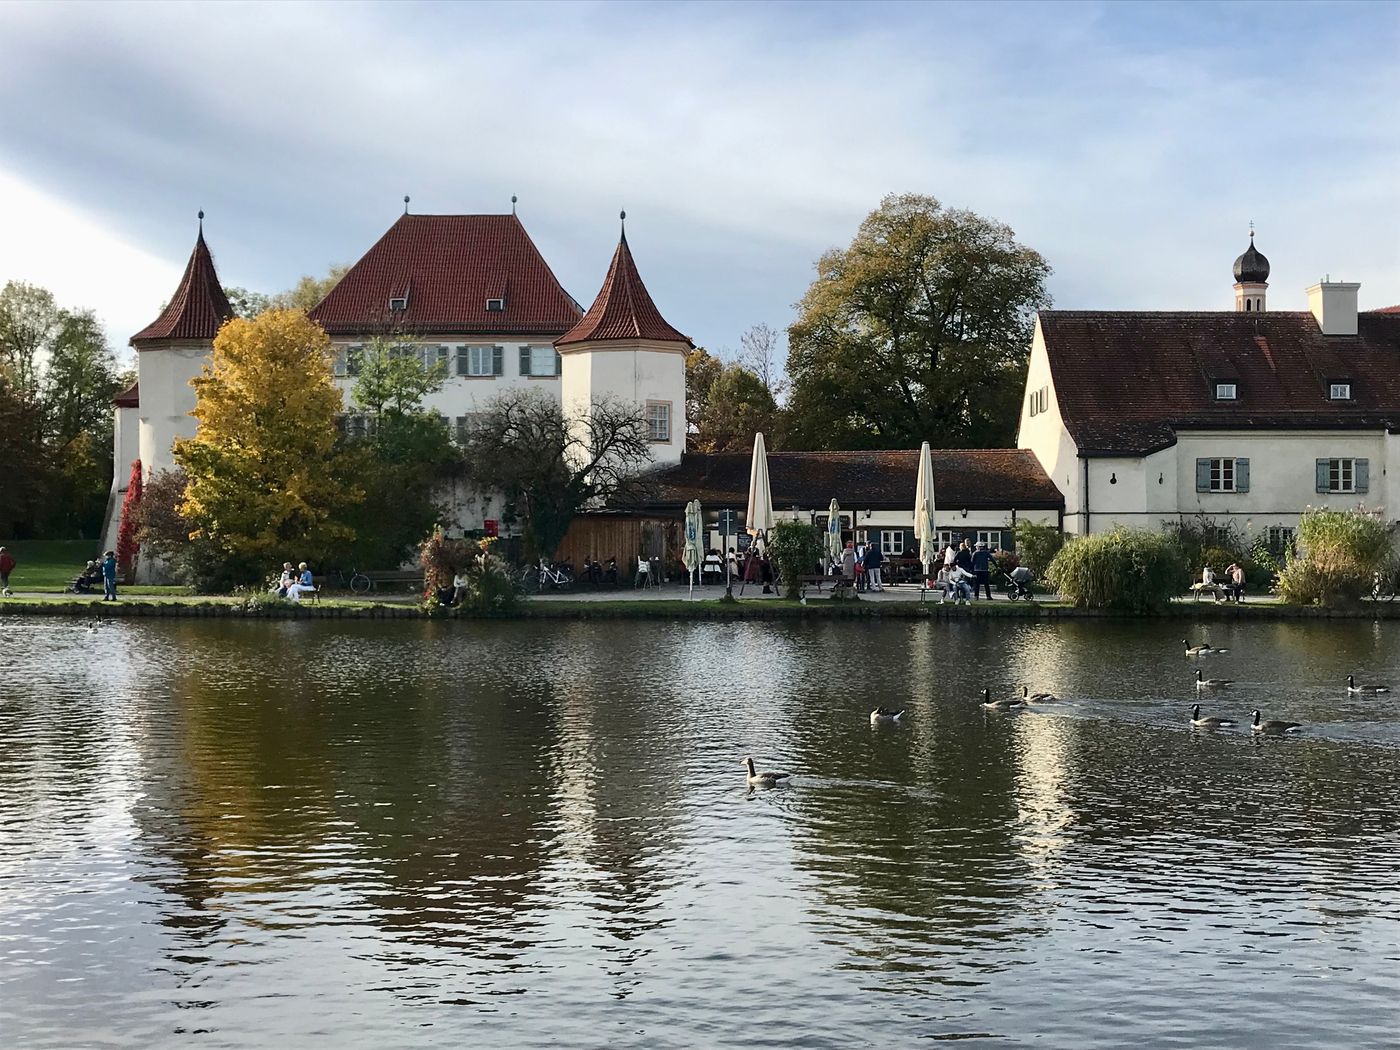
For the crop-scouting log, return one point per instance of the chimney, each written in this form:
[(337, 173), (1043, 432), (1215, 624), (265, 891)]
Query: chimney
[(1333, 303)]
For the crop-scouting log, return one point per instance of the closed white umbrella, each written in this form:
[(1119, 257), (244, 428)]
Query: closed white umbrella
[(833, 531), (691, 554), (924, 528), (760, 515)]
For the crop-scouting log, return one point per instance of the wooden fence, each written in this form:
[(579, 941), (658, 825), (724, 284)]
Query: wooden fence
[(601, 537)]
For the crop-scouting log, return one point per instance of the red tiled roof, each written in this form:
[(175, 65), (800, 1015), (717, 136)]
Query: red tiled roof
[(449, 265), (1389, 310), (623, 309), (976, 479), (1126, 382), (130, 397), (198, 307)]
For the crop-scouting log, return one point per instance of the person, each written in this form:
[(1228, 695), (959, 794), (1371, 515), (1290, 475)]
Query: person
[(944, 582), (446, 593), (765, 572), (89, 578), (860, 565), (304, 584), (610, 574), (7, 566), (848, 562), (459, 586), (982, 571), (874, 559), (962, 583), (1236, 577), (1208, 583), (948, 555), (284, 581), (593, 572), (962, 557), (1021, 579), (643, 576), (109, 576), (733, 562)]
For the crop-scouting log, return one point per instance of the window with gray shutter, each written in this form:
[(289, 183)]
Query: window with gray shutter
[(464, 359), (1362, 475), (498, 360), (1323, 468), (1241, 475), (1203, 475), (525, 361)]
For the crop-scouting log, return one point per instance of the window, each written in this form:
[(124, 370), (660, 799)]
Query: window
[(862, 535), (464, 425), (346, 361), (1339, 391), (1226, 392), (892, 541), (495, 306), (992, 539), (1280, 538), (357, 425), (1343, 475), (947, 538), (539, 361), (1222, 475), (658, 417), (398, 303), (480, 360), (1039, 400)]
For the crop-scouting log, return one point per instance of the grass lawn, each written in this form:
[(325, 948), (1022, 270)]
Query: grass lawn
[(50, 565)]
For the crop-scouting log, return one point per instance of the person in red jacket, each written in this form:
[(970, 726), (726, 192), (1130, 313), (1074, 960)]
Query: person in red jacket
[(7, 566)]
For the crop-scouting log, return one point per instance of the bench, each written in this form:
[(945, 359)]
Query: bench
[(1215, 589), (412, 576), (839, 584)]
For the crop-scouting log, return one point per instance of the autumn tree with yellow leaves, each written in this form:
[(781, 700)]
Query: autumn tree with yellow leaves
[(267, 482)]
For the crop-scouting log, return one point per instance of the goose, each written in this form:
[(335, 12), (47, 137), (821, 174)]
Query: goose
[(1202, 649), (1352, 687), (764, 780), (1212, 683), (1210, 722), (1274, 725), (885, 716), (1027, 697), (999, 705)]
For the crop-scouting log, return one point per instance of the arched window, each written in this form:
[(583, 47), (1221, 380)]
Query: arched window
[(1248, 305)]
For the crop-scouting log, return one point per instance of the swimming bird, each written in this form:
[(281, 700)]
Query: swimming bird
[(999, 705), (885, 716), (764, 780), (1202, 649), (1212, 683), (1209, 722), (1027, 697), (1352, 687), (1274, 725)]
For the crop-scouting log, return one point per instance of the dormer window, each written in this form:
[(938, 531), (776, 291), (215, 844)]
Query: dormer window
[(1339, 391), (398, 304), (495, 306), (1226, 392)]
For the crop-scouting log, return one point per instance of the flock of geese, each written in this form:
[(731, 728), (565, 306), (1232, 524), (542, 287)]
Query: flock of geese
[(884, 716)]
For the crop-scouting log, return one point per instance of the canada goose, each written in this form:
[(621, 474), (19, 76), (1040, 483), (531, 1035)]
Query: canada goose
[(1274, 725), (999, 705), (1212, 683), (1027, 697), (885, 716), (1202, 649), (1208, 723), (764, 780), (1352, 687)]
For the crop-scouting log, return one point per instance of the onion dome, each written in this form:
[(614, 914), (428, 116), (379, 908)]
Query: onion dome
[(1251, 267)]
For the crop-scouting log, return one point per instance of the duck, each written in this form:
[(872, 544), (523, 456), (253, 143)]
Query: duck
[(1209, 722), (1027, 697), (999, 705), (1202, 649), (1212, 683), (885, 716), (1274, 725), (1352, 687), (764, 780)]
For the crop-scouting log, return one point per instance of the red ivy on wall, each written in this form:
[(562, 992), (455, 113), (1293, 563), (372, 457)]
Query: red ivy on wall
[(126, 532)]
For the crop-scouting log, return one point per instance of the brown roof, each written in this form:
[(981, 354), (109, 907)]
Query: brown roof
[(1126, 382), (976, 479), (130, 397), (623, 309), (198, 307), (449, 266)]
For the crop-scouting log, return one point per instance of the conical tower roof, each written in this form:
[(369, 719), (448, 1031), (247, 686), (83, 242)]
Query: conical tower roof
[(623, 309), (199, 306)]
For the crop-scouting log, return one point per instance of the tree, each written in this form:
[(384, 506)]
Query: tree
[(920, 330), (306, 293), (702, 368), (29, 321), (127, 546), (25, 474), (549, 465), (392, 376), (266, 476), (759, 352), (738, 405)]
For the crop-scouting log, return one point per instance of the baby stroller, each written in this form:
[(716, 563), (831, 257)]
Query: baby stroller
[(1018, 584)]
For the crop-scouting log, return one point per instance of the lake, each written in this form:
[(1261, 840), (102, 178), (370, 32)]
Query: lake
[(419, 834)]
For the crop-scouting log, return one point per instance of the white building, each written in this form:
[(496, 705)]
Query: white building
[(1245, 417)]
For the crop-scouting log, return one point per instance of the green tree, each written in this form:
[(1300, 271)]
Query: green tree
[(738, 405), (25, 474), (267, 479), (30, 319), (920, 329), (392, 376), (702, 368), (797, 551), (306, 293)]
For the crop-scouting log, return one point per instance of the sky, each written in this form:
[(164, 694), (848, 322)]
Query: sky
[(1131, 144)]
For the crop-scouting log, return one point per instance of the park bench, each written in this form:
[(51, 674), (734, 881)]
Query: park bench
[(840, 586), (409, 576)]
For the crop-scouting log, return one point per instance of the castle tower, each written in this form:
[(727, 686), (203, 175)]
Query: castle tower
[(1251, 279), (171, 351), (624, 349)]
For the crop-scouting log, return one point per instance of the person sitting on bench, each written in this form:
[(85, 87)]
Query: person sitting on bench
[(89, 578), (304, 585)]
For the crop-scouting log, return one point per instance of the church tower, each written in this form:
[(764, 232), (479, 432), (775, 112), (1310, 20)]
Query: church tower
[(1251, 279), (170, 351), (623, 348)]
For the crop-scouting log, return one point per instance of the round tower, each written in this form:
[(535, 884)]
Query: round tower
[(1251, 279)]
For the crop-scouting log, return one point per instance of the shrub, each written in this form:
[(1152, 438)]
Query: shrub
[(796, 549), (1204, 541), (491, 588), (1135, 570), (1338, 551), (1037, 545)]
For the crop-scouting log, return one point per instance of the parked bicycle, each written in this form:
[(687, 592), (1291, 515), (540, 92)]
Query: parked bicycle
[(555, 577), (353, 580)]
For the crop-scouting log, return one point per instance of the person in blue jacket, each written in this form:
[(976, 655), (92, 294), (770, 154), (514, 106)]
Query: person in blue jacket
[(982, 569), (109, 576)]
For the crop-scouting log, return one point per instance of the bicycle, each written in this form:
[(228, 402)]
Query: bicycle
[(353, 580), (1382, 587), (560, 576)]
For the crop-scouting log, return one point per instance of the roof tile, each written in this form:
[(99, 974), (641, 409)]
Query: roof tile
[(623, 309), (198, 308)]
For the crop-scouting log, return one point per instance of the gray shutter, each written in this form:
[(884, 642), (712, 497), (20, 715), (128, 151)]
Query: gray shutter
[(1008, 539), (498, 360), (1362, 475), (1241, 475), (463, 360), (1202, 475), (442, 353), (1322, 475), (558, 364), (524, 360)]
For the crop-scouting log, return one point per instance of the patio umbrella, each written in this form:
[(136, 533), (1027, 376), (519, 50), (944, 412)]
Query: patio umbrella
[(833, 531), (691, 554), (760, 515), (924, 528)]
